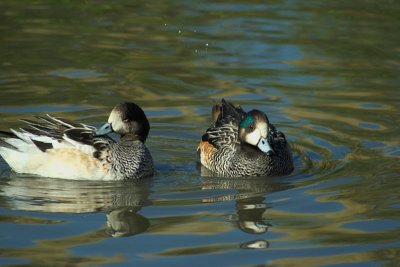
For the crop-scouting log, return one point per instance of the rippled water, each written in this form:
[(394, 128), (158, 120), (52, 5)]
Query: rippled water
[(325, 72)]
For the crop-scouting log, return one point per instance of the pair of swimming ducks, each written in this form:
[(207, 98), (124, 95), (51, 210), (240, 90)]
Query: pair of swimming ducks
[(238, 144)]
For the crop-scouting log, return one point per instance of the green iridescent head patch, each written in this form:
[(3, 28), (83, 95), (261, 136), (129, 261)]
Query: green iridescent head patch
[(247, 121)]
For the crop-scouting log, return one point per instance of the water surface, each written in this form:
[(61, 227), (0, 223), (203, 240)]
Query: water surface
[(326, 73)]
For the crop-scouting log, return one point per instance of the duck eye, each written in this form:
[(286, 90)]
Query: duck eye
[(251, 126)]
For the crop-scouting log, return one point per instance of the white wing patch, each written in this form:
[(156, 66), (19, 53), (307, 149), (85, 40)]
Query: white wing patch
[(54, 147)]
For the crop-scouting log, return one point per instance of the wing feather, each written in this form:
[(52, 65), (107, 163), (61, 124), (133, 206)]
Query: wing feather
[(226, 118), (228, 113), (223, 136), (49, 132)]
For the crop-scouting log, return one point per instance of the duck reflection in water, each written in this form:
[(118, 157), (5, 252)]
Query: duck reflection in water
[(249, 195), (120, 201), (126, 222)]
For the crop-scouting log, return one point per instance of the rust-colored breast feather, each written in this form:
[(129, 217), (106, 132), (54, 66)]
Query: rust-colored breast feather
[(206, 152)]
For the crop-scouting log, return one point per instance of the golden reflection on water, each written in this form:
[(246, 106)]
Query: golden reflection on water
[(321, 226), (302, 113), (184, 225), (343, 258)]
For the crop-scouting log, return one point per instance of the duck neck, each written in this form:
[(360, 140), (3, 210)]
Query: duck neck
[(250, 150), (132, 137)]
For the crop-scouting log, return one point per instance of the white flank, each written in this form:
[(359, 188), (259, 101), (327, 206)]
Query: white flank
[(68, 159)]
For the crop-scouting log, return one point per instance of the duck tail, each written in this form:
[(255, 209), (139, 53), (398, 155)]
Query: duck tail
[(215, 113), (226, 112)]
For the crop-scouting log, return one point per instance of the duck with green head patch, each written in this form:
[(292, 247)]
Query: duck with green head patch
[(244, 144)]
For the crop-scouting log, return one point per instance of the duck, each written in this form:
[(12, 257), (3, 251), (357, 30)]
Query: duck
[(56, 147), (243, 144)]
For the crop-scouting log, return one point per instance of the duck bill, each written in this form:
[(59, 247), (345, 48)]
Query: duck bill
[(264, 146), (105, 129)]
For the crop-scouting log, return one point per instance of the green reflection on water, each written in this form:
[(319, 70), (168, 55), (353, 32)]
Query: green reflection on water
[(325, 72)]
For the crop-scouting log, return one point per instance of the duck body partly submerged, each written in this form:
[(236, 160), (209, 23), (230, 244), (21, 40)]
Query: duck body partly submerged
[(59, 148), (244, 144)]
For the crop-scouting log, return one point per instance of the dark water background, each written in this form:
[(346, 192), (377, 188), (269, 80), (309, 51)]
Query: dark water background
[(327, 73)]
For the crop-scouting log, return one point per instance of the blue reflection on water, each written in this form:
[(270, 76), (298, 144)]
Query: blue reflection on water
[(369, 125)]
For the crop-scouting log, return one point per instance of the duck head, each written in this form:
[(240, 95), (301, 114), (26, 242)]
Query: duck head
[(255, 130), (126, 118)]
